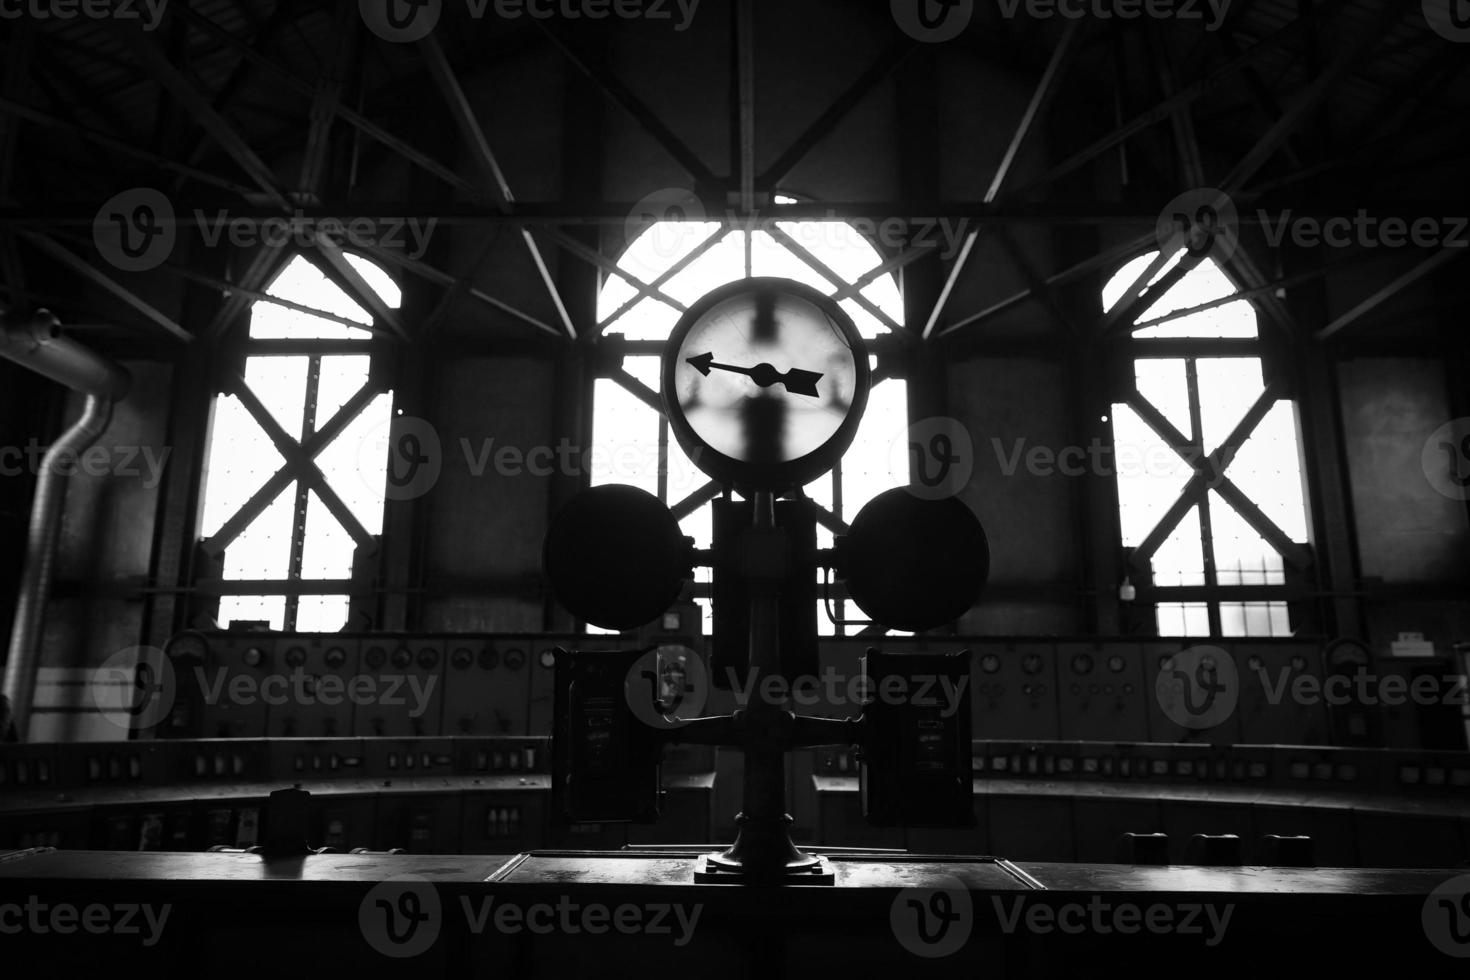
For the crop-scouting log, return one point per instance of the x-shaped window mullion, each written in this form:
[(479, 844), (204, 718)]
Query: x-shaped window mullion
[(1211, 470), (300, 461), (801, 252), (669, 273), (610, 266)]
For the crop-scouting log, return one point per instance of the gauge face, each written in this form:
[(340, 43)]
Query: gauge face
[(765, 381), (188, 645)]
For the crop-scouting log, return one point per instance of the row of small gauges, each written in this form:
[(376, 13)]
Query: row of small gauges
[(1124, 766), (1085, 663), (221, 761), (376, 656)]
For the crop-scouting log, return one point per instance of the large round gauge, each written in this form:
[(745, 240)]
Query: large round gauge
[(764, 383)]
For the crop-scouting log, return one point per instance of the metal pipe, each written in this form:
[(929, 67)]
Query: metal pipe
[(35, 342)]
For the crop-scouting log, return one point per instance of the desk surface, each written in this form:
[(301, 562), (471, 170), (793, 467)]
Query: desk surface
[(675, 868)]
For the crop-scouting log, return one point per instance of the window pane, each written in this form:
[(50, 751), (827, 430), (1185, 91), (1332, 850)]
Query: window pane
[(1254, 619), (253, 608), (1183, 619), (1150, 475), (1180, 559), (340, 377), (650, 255), (1242, 557), (264, 549), (301, 282), (723, 263), (1203, 284), (1228, 387), (355, 465), (1163, 383), (240, 459), (280, 384), (327, 548), (625, 439), (321, 613), (1123, 280), (1268, 470), (865, 467)]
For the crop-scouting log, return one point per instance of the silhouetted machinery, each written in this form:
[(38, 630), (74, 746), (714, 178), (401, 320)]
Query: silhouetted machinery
[(764, 382)]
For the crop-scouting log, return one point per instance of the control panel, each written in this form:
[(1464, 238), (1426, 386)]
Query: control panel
[(1015, 690), (376, 685), (1101, 692)]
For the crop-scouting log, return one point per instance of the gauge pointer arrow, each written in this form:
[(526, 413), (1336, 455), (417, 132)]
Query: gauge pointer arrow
[(797, 381)]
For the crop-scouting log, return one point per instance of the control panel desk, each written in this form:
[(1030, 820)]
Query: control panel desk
[(632, 913)]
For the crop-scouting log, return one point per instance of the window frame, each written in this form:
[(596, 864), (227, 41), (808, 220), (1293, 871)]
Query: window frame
[(1299, 565), (297, 472)]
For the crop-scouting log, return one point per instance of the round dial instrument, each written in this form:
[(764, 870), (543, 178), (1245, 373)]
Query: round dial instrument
[(764, 382)]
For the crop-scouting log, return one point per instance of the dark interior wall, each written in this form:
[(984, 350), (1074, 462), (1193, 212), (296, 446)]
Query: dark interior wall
[(483, 520), (477, 560), (1412, 538)]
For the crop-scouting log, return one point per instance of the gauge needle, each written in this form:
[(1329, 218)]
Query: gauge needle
[(797, 381)]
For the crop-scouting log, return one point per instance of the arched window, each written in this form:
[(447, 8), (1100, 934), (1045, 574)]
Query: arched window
[(669, 266), (1211, 498), (288, 494)]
